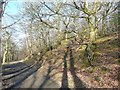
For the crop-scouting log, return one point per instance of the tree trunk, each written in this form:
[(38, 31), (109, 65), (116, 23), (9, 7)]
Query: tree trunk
[(92, 30), (7, 49), (58, 23), (103, 25)]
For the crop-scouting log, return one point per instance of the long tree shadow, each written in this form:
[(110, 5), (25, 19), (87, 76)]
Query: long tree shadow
[(34, 79), (18, 83), (77, 82), (64, 84), (48, 76), (30, 71)]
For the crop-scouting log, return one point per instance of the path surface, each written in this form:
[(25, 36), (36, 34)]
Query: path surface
[(49, 76), (38, 79)]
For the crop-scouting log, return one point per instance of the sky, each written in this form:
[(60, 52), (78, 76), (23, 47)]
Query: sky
[(13, 8)]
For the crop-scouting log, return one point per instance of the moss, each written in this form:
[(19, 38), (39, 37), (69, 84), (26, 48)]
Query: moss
[(97, 78), (115, 43), (94, 46), (47, 48), (104, 39), (85, 63), (64, 42), (118, 61), (81, 49), (93, 69), (118, 77), (104, 70)]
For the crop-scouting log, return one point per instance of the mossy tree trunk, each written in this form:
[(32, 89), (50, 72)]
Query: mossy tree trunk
[(66, 22), (1, 9), (7, 48), (103, 25), (92, 29), (58, 21), (90, 19)]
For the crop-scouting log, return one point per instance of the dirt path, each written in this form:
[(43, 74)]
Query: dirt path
[(38, 79), (49, 76)]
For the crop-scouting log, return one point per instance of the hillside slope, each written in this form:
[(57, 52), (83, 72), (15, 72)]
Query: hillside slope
[(67, 67)]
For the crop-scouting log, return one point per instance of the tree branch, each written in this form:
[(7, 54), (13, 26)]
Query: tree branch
[(12, 23)]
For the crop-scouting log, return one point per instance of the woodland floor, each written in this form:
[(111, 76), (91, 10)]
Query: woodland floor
[(64, 68)]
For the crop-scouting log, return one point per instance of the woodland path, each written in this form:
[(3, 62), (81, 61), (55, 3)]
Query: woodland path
[(46, 77), (60, 68)]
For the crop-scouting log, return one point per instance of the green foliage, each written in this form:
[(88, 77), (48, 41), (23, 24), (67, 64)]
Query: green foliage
[(94, 46), (47, 48), (93, 69), (104, 39), (115, 18), (97, 78), (65, 42), (26, 58), (96, 55), (85, 63), (104, 69), (115, 43), (118, 61), (118, 78)]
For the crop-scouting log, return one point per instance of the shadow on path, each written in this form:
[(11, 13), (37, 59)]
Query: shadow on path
[(65, 77), (34, 79), (77, 82), (48, 77)]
